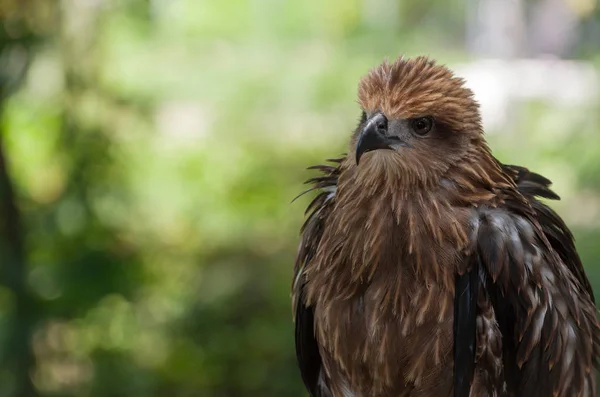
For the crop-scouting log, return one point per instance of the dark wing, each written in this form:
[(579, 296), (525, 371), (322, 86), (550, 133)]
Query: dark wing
[(465, 321), (307, 348), (532, 185), (551, 335), (529, 183)]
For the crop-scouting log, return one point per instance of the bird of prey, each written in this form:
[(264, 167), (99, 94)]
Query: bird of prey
[(428, 268)]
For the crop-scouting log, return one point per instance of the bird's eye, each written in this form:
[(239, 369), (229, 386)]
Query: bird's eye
[(422, 125)]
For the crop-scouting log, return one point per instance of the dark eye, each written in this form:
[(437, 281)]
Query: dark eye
[(422, 125)]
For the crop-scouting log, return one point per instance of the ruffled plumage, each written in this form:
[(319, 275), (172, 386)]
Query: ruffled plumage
[(386, 244)]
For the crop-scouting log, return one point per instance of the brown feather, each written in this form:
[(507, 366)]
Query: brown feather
[(383, 242)]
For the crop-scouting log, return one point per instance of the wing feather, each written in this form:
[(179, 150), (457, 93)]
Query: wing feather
[(532, 185), (542, 299), (307, 347), (465, 324)]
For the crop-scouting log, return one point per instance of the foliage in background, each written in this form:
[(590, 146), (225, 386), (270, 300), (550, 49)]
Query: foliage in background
[(154, 147)]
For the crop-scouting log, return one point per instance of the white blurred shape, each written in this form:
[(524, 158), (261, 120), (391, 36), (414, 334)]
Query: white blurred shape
[(183, 121), (498, 84)]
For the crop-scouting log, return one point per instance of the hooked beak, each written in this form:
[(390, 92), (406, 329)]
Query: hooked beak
[(375, 136)]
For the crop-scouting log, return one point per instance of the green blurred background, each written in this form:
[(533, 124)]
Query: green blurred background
[(149, 151)]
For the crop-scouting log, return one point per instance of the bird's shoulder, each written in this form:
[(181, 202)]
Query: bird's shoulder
[(542, 299)]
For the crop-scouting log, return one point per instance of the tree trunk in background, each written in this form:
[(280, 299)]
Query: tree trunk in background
[(496, 28), (17, 358)]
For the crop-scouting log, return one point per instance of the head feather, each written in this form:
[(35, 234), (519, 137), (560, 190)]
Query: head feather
[(418, 87)]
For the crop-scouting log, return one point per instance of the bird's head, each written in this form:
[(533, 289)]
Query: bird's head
[(418, 120)]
